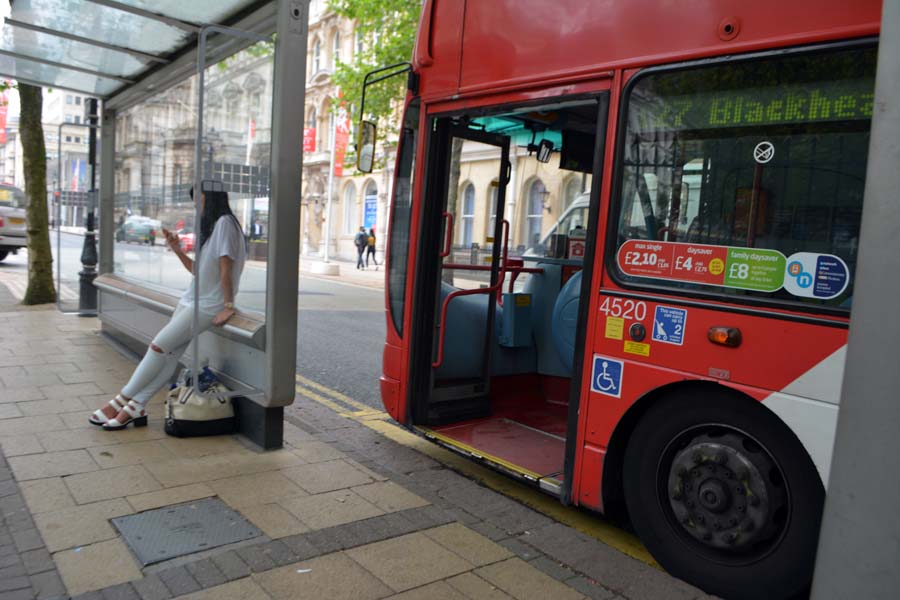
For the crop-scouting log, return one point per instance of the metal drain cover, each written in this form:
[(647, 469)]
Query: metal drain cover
[(171, 531)]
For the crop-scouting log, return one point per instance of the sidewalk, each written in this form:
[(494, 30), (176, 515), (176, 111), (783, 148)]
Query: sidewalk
[(342, 511)]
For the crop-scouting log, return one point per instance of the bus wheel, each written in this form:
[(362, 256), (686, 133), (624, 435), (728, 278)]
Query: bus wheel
[(724, 496)]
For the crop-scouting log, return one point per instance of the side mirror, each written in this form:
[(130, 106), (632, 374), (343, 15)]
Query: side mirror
[(365, 157), (545, 149)]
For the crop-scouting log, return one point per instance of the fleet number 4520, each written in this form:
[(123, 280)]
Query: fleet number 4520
[(624, 308)]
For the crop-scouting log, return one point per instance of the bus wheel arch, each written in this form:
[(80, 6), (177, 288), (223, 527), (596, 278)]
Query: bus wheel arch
[(678, 419)]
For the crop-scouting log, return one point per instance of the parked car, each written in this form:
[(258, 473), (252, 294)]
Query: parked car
[(186, 239), (13, 230), (140, 229)]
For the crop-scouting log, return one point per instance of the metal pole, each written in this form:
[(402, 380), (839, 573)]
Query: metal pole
[(858, 545), (330, 190), (107, 194), (87, 293), (287, 178)]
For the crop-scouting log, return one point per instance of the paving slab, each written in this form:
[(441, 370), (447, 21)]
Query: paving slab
[(331, 508), (111, 483), (522, 581), (409, 561), (334, 576), (242, 589), (51, 464), (256, 488), (327, 476), (96, 566), (80, 525)]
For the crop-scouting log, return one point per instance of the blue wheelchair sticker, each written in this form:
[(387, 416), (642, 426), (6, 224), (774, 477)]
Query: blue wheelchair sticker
[(607, 376), (669, 324)]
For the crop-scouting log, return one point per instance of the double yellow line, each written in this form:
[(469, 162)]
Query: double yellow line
[(340, 403), (588, 523)]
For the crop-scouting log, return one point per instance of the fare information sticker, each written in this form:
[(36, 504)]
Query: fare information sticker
[(804, 274)]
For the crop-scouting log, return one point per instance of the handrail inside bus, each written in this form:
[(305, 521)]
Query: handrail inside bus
[(448, 235), (487, 290)]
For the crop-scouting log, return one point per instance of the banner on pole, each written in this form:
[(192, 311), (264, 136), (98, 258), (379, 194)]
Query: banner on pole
[(309, 139), (4, 103), (341, 139)]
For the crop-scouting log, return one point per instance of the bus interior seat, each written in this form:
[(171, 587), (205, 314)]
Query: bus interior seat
[(554, 319), (565, 320)]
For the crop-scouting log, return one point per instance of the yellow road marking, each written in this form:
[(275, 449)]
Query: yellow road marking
[(334, 394), (590, 524)]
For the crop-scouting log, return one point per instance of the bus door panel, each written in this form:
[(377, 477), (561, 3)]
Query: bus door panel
[(468, 279)]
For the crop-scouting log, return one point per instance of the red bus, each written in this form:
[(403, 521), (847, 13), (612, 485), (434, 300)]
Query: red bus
[(671, 354)]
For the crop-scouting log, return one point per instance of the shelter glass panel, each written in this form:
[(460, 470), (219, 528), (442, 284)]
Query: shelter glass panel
[(155, 157)]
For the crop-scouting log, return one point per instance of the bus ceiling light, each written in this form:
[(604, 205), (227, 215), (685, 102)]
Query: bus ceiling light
[(725, 336)]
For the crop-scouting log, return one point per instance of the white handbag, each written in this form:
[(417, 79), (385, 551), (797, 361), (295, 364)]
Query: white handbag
[(191, 415)]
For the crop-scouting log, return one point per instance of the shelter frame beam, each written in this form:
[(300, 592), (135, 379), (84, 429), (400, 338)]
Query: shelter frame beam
[(83, 40)]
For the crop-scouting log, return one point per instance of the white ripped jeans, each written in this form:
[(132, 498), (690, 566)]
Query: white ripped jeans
[(157, 368)]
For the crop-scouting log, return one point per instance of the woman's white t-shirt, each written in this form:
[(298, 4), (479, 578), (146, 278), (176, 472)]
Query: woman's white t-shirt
[(226, 240)]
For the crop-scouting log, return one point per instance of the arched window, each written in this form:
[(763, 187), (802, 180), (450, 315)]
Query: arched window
[(468, 215), (317, 57), (573, 189), (370, 205), (336, 49), (360, 44), (535, 220), (493, 190), (350, 209)]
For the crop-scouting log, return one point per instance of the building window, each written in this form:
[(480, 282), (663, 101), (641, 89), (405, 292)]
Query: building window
[(68, 99), (68, 118), (311, 118), (360, 46), (536, 194), (77, 120), (317, 57), (572, 191), (336, 49), (77, 139), (350, 209), (78, 100), (68, 138), (468, 215), (492, 194)]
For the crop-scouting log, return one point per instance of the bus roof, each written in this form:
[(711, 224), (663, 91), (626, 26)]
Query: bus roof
[(470, 47)]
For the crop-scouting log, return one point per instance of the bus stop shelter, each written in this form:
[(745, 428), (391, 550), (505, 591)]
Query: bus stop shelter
[(207, 93)]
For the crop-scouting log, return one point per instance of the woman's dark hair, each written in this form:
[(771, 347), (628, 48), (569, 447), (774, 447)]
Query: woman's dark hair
[(215, 206)]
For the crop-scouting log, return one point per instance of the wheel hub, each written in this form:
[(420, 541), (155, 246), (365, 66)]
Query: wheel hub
[(714, 496), (720, 494)]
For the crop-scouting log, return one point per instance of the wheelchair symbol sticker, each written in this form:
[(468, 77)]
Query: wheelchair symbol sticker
[(607, 376)]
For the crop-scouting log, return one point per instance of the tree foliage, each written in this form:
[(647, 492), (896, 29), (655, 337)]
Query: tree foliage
[(388, 30), (34, 154)]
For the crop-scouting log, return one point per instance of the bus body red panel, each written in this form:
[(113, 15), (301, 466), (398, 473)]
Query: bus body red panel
[(509, 41), (440, 44)]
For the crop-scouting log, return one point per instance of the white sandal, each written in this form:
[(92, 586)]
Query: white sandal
[(135, 414), (99, 417)]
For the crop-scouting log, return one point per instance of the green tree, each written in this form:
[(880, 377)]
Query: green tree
[(388, 30), (40, 258)]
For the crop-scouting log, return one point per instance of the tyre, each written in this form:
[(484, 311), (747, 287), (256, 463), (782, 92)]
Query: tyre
[(3, 255), (724, 496)]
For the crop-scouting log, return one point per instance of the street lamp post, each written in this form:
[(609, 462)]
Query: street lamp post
[(87, 293)]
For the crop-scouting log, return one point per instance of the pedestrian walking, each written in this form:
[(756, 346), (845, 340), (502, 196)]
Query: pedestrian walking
[(370, 248), (222, 256), (361, 240)]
